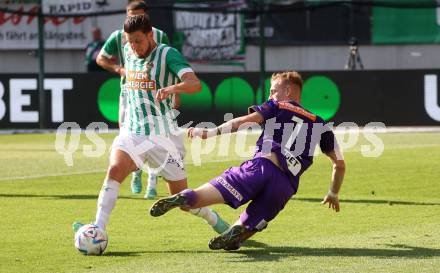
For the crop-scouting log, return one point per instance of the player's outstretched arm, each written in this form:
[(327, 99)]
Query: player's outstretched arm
[(228, 127), (337, 177), (189, 84)]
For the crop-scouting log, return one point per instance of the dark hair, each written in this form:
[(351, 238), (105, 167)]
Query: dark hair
[(136, 5), (137, 23)]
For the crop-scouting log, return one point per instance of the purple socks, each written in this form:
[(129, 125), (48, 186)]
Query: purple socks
[(190, 195)]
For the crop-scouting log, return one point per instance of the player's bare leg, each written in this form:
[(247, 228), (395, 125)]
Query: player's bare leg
[(176, 186), (121, 165)]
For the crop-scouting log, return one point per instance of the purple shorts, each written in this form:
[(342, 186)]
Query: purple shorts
[(257, 180)]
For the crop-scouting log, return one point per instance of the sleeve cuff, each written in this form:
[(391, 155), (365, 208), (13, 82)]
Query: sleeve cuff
[(252, 109), (183, 71), (105, 54)]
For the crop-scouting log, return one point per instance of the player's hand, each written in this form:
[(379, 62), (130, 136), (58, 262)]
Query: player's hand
[(332, 200), (121, 71), (162, 94), (197, 132)]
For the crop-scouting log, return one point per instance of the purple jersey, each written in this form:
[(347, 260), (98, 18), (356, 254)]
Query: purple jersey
[(292, 133)]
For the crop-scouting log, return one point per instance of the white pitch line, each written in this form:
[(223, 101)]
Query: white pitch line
[(351, 150), (96, 171), (49, 175)]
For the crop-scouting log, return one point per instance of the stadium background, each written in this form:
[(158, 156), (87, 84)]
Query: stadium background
[(390, 199), (398, 44)]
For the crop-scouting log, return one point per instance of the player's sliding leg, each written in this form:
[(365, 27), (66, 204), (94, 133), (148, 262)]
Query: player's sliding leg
[(188, 199), (263, 208), (232, 238), (208, 195), (151, 192), (136, 181), (212, 218), (184, 199)]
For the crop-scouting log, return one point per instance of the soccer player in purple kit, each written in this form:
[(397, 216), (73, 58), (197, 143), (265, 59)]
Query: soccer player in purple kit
[(285, 149)]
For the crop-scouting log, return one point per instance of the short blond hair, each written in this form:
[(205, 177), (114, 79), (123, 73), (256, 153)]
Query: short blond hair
[(291, 77)]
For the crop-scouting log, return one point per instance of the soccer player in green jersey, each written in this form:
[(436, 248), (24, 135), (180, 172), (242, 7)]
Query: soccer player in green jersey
[(113, 49), (154, 72)]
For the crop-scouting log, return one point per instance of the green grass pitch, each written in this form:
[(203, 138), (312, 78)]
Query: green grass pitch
[(389, 219)]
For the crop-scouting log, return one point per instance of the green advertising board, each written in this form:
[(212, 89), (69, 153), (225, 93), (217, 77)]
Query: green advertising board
[(234, 94), (400, 25)]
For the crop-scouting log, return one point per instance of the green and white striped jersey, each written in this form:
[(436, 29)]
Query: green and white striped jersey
[(144, 115), (114, 45)]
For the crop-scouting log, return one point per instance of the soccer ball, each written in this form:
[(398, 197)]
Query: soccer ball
[(91, 240)]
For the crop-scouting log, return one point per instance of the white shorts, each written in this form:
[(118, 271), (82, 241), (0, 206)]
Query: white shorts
[(178, 142), (176, 138), (122, 105), (155, 154)]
